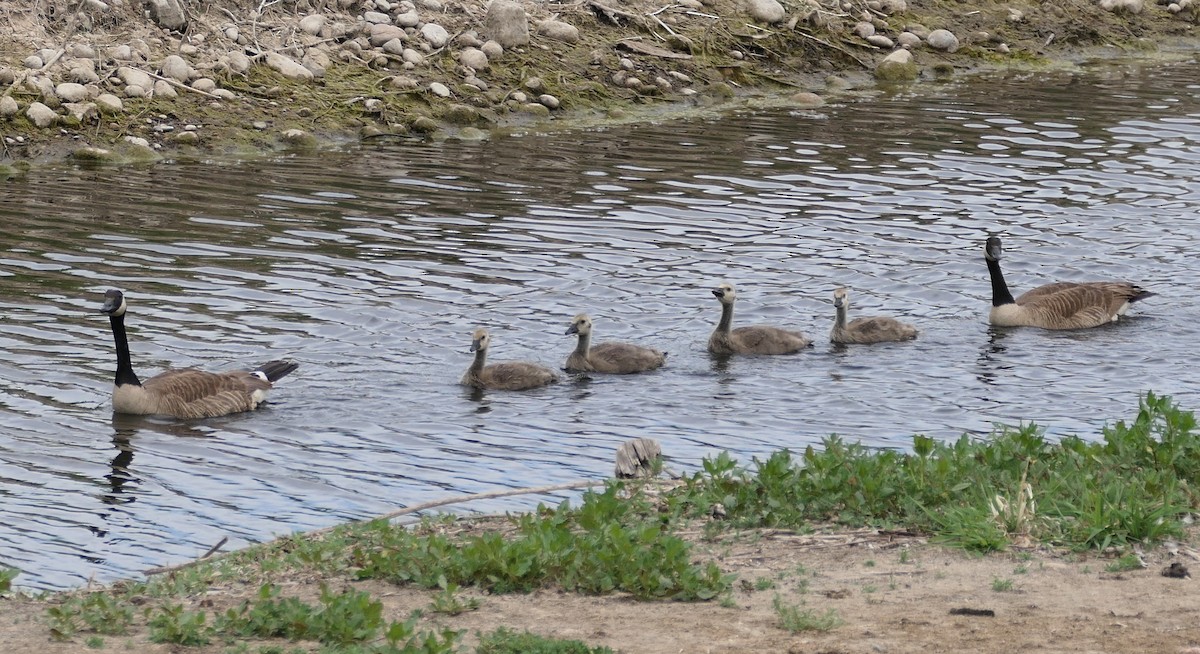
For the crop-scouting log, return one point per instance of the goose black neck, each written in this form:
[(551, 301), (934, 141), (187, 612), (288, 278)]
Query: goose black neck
[(1000, 294), (726, 317), (125, 374)]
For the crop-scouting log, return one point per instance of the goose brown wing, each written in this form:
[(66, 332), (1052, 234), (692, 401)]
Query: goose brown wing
[(763, 339), (624, 357), (516, 375), (1046, 289), (1081, 305), (188, 392)]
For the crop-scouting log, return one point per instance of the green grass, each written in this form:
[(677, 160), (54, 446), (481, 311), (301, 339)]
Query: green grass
[(794, 619), (1002, 585), (1125, 563), (6, 578), (505, 641), (764, 583)]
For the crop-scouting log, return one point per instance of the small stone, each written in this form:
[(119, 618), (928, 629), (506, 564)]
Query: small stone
[(189, 49), (440, 90), (663, 83), (135, 91), (880, 41), (918, 29), (204, 84), (556, 30), (477, 83), (549, 101), (163, 89), (431, 5), (413, 57), (134, 77), (186, 138), (32, 62), (83, 75), (41, 115), (507, 24), (92, 153), (492, 49), (897, 66), (8, 107), (71, 92), (381, 34), (908, 40), (8, 76), (435, 35), (408, 19), (535, 108), (169, 14), (238, 62), (680, 76), (473, 58), (259, 125), (807, 100), (83, 51), (137, 141), (81, 112), (109, 103), (864, 29), (224, 94), (312, 24), (377, 18), (535, 84), (395, 46), (1015, 15), (468, 40), (121, 53), (298, 138), (518, 97), (373, 106), (1123, 6), (893, 6), (942, 40), (176, 68), (288, 67), (765, 11), (1002, 48)]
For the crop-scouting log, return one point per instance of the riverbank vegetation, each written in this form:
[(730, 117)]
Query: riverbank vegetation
[(1016, 492)]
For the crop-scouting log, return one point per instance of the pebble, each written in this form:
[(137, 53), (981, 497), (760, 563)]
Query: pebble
[(71, 92), (109, 103), (403, 82), (559, 31), (187, 138), (880, 41), (897, 66), (473, 58), (189, 50), (908, 40), (519, 97), (765, 11), (476, 82), (8, 107), (81, 112), (32, 62), (134, 77), (942, 40), (176, 68), (83, 51), (224, 94), (468, 40), (381, 34), (864, 29), (135, 91), (121, 53), (8, 76), (535, 84), (395, 46), (41, 115), (431, 5), (626, 63), (506, 23), (680, 76), (413, 57), (238, 62), (492, 49), (440, 90), (259, 125), (312, 24), (536, 109), (288, 67), (163, 89), (377, 18), (204, 84), (548, 101), (807, 100), (435, 35), (408, 19)]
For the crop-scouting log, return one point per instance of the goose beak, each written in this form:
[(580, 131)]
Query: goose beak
[(110, 305), (475, 345), (718, 292), (573, 329)]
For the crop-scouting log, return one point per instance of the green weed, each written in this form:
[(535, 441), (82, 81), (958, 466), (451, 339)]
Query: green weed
[(504, 641), (6, 578), (796, 620), (175, 625), (1002, 585), (1126, 563), (449, 602)]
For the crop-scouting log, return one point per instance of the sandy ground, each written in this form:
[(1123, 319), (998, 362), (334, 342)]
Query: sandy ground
[(892, 593)]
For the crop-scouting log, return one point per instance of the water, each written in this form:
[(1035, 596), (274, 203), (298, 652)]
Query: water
[(371, 266)]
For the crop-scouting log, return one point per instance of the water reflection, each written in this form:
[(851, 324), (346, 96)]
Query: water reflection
[(370, 266)]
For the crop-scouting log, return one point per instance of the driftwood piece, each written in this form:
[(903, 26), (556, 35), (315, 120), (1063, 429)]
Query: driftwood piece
[(637, 458), (652, 50)]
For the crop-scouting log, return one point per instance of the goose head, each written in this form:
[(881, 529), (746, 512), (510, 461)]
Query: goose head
[(114, 303), (480, 340), (841, 298), (581, 325), (725, 293), (991, 251)]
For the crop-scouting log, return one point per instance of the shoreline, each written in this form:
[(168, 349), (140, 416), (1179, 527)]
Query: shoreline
[(109, 84)]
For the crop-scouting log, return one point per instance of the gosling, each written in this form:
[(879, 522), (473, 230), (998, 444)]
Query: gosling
[(756, 339), (507, 376), (876, 329), (612, 358)]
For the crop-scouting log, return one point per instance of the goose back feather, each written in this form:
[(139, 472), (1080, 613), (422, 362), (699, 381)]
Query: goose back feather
[(873, 329), (1060, 305), (754, 339), (612, 357), (187, 393), (506, 376)]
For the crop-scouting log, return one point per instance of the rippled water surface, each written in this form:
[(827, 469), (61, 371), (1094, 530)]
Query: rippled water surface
[(371, 266)]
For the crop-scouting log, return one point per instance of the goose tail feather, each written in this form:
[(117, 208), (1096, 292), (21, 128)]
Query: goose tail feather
[(1141, 295), (276, 370)]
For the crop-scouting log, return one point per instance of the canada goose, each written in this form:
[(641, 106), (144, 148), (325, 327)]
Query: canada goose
[(184, 392), (508, 376), (1062, 305), (616, 358), (757, 339), (876, 329)]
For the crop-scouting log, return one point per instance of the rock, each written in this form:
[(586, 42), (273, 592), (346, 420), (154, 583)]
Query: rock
[(163, 89), (1015, 15), (908, 40), (312, 24), (942, 40), (32, 62), (439, 89), (71, 92), (897, 66), (121, 53), (536, 109), (377, 18), (838, 83), (238, 62), (519, 97), (682, 78), (83, 51), (1123, 6), (8, 107), (186, 138), (806, 100), (880, 41), (395, 46), (535, 84), (492, 49), (765, 11), (460, 114), (472, 134), (189, 49), (298, 138), (169, 14), (413, 57), (224, 94), (473, 58), (1002, 48), (41, 115), (506, 23), (918, 29), (373, 106), (204, 84), (315, 65), (92, 153), (431, 5), (403, 82), (176, 68), (288, 67), (893, 6), (381, 34), (864, 29), (83, 75), (548, 101), (82, 112), (408, 19), (435, 35), (108, 103), (476, 82), (424, 125), (8, 75), (134, 77), (135, 91), (468, 40), (557, 30)]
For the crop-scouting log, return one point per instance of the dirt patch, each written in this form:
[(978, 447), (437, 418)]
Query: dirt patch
[(889, 592)]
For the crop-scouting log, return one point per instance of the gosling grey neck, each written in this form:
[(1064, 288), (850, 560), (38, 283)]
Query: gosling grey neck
[(726, 317), (583, 344)]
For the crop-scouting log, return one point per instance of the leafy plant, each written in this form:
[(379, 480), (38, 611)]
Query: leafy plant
[(795, 619), (1002, 585), (175, 625), (505, 641)]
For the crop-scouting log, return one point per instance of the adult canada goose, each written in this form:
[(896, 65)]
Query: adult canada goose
[(508, 376), (876, 329), (616, 358), (1062, 305), (184, 392), (756, 339)]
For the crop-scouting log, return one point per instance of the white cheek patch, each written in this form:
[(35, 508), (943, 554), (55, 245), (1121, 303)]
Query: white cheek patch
[(260, 374)]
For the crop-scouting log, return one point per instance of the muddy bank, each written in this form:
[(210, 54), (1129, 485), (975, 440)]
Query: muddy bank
[(116, 79)]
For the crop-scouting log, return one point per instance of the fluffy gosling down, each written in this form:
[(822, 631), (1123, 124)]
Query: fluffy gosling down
[(1061, 305), (875, 329), (613, 358), (184, 392), (507, 376), (755, 339)]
